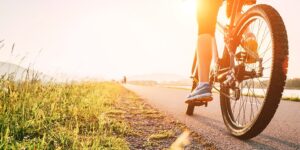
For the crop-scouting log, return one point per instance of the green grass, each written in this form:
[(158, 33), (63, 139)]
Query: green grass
[(153, 138), (295, 99), (35, 115), (161, 135)]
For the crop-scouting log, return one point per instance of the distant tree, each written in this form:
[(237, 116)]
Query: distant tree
[(293, 83)]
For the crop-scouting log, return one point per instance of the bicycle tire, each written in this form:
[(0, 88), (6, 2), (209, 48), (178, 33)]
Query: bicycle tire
[(277, 77)]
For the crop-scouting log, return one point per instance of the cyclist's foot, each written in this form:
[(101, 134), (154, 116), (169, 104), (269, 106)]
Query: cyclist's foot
[(249, 42), (202, 93)]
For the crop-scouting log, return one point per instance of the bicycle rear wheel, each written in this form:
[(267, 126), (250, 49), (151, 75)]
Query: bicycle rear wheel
[(259, 97)]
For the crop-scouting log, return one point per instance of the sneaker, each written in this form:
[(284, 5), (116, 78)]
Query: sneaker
[(201, 93)]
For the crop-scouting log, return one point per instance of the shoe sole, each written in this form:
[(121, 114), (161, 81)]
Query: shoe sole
[(199, 99)]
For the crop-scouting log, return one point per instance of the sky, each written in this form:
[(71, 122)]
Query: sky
[(112, 38)]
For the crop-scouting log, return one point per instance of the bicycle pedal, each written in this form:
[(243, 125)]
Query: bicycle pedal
[(198, 103)]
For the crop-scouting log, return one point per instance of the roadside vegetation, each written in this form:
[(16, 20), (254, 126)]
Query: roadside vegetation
[(38, 115), (293, 83), (83, 115)]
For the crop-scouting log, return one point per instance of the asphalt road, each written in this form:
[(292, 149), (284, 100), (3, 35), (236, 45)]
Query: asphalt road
[(282, 133)]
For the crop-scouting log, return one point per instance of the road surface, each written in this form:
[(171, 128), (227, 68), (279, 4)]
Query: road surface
[(282, 133)]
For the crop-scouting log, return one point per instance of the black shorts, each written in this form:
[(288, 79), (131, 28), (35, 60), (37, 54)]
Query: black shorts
[(207, 12)]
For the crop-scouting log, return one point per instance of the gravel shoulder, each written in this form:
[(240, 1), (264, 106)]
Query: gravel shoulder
[(152, 129)]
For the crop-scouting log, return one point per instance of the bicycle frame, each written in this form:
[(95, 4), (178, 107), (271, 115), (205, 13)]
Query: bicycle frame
[(231, 43), (230, 32)]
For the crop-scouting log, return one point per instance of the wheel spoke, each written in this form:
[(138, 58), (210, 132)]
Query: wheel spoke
[(267, 60), (263, 37)]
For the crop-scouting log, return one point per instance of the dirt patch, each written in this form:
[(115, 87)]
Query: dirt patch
[(151, 129)]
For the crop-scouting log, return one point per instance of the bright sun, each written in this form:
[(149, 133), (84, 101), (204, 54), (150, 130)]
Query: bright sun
[(189, 6)]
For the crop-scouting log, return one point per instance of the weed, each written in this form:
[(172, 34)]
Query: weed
[(36, 115), (161, 135)]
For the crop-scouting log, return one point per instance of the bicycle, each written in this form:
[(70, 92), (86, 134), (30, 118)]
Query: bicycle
[(250, 84)]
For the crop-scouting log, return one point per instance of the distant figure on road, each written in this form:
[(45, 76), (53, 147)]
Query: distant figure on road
[(124, 80)]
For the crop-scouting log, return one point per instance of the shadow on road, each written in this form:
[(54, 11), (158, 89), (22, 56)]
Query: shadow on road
[(254, 143), (216, 124), (257, 145)]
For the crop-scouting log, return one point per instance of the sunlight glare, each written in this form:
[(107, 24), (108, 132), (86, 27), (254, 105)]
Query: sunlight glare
[(189, 7)]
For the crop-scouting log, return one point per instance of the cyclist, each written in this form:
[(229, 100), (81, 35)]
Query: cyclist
[(207, 12), (124, 79)]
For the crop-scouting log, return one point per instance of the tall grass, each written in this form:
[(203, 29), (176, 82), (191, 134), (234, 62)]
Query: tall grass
[(36, 115)]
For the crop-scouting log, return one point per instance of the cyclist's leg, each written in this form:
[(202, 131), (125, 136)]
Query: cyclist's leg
[(207, 11)]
